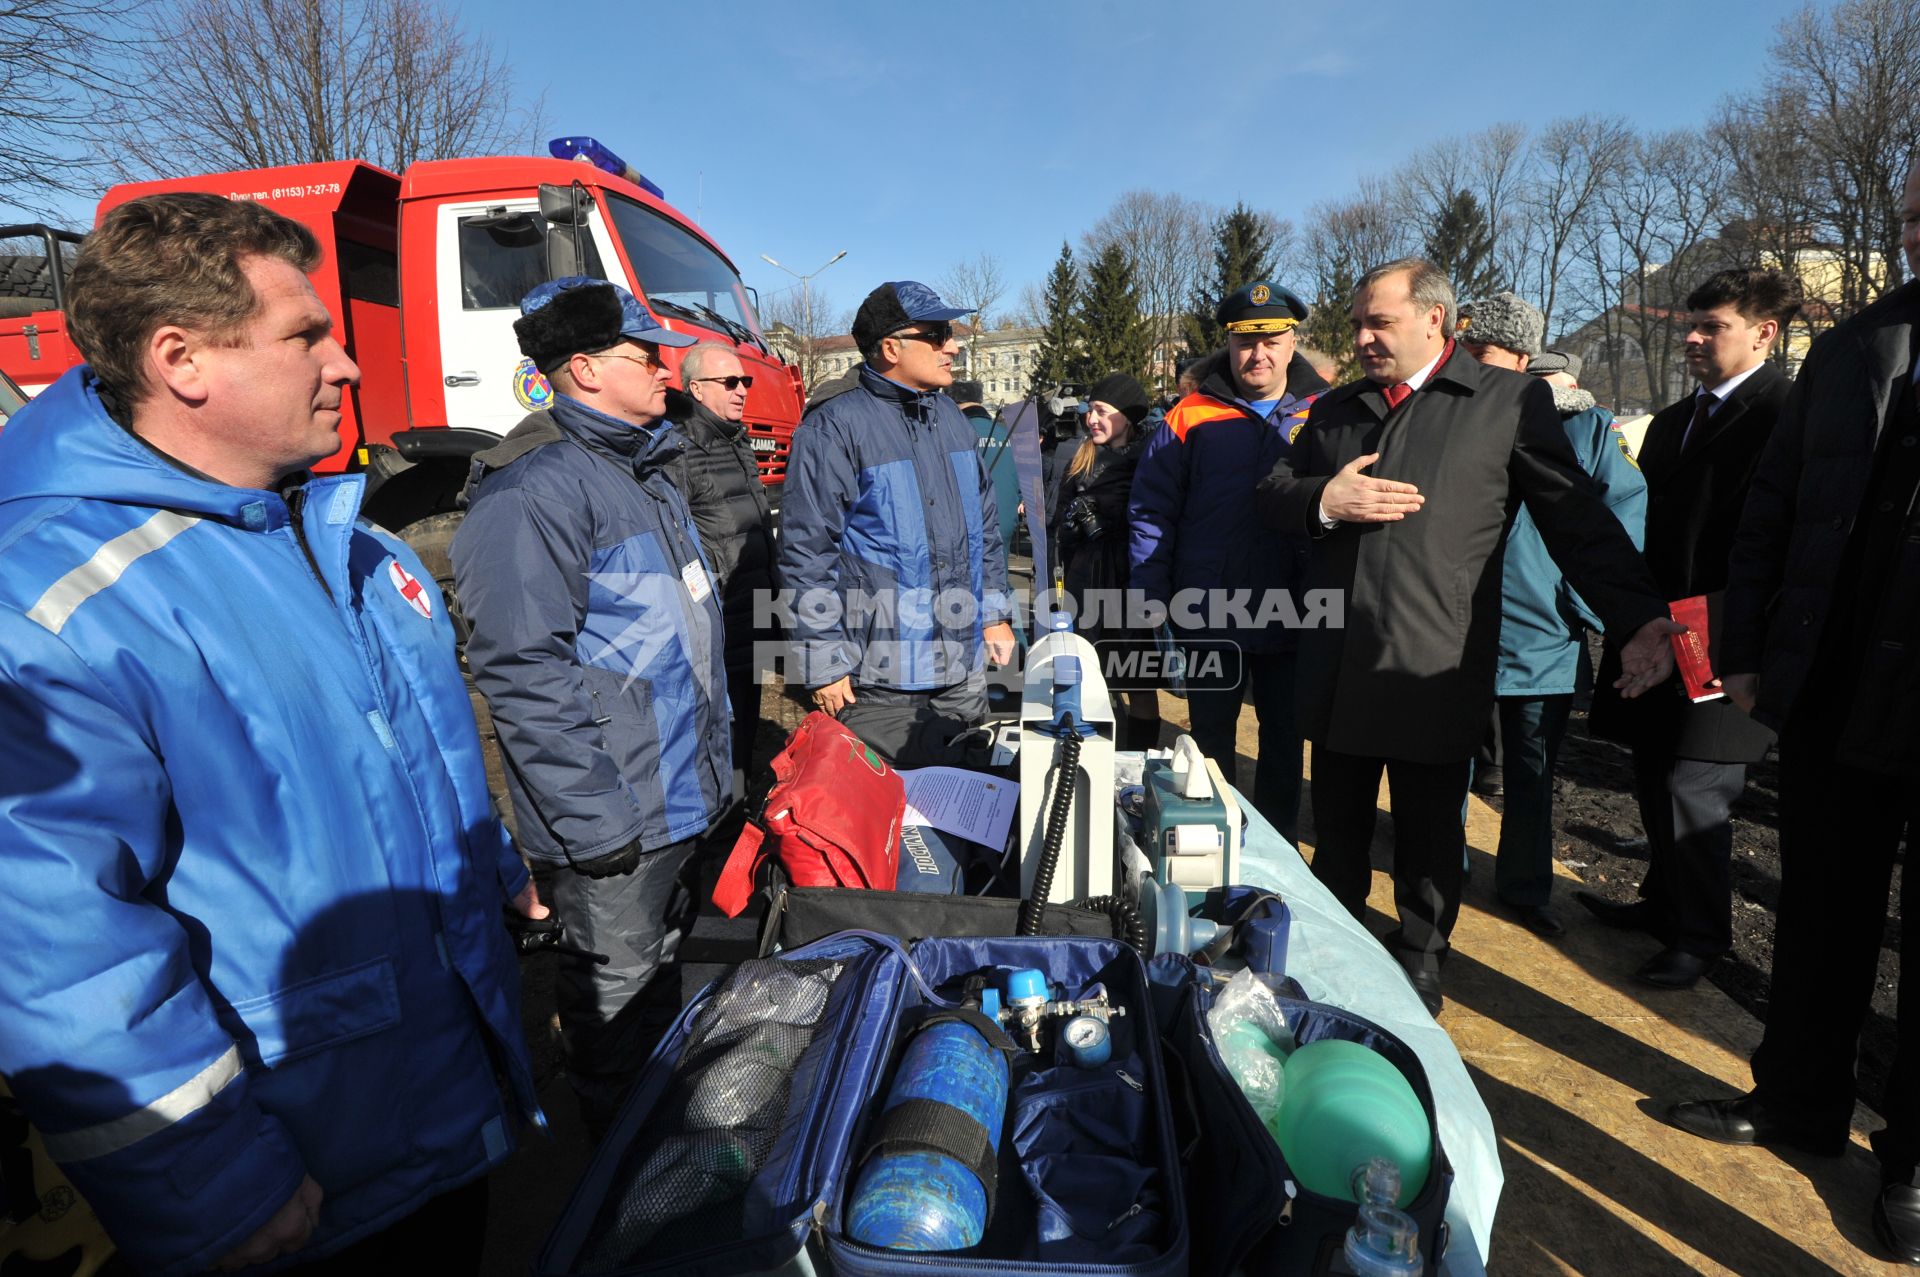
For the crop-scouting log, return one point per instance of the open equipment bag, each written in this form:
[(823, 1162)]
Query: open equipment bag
[(1261, 1219), (737, 1149)]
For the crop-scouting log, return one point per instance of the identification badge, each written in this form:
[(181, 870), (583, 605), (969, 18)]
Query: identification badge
[(695, 577)]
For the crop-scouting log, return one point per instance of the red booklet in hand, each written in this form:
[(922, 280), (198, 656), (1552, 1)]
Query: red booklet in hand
[(1690, 649)]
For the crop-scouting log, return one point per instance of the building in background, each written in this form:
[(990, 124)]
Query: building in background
[(1002, 358)]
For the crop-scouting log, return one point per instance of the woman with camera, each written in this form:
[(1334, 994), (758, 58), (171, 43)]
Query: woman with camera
[(1091, 530)]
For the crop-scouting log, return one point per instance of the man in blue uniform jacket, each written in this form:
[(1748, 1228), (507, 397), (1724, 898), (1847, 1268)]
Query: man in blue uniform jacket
[(255, 991), (1195, 533), (597, 642), (890, 538)]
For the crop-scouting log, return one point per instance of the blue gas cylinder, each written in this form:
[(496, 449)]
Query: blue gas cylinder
[(921, 1200)]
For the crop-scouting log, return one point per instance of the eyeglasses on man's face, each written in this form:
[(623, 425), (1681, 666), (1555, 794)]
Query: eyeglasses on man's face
[(933, 334), (730, 383), (646, 359)]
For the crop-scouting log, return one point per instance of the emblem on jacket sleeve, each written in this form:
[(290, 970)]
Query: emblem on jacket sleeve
[(410, 589)]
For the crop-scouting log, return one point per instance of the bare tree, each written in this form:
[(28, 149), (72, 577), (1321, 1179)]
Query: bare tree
[(1572, 160), (261, 83), (977, 284), (1166, 240), (1029, 308), (1345, 239), (56, 86), (806, 329), (1654, 215), (1777, 212), (1496, 170), (1854, 72)]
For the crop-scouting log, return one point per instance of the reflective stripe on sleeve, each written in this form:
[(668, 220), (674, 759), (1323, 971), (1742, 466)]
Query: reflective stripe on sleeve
[(58, 604), (180, 1103)]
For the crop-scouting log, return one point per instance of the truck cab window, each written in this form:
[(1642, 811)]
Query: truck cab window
[(503, 256)]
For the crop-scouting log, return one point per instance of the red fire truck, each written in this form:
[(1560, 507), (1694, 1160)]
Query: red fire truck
[(423, 272)]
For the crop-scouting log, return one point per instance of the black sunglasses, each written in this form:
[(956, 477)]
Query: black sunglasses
[(933, 334), (731, 383)]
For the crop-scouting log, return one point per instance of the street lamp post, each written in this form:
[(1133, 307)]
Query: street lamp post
[(806, 304)]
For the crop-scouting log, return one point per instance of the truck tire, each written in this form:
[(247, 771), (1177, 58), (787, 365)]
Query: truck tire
[(432, 539), (25, 275)]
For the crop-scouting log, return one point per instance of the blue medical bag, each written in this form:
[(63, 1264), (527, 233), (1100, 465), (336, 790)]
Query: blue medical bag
[(738, 1148)]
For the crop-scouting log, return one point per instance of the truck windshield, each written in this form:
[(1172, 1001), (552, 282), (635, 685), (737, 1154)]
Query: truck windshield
[(680, 274)]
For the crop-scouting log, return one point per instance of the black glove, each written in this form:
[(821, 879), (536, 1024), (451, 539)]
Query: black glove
[(545, 935), (615, 864)]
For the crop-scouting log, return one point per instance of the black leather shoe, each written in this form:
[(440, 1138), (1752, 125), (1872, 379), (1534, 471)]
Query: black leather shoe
[(1427, 985), (1896, 1221), (1745, 1120), (1489, 782), (1538, 919), (1635, 916), (1673, 969)]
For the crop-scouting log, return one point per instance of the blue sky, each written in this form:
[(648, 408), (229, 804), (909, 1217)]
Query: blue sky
[(916, 135)]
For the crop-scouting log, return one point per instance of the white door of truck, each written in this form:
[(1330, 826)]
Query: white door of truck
[(490, 254)]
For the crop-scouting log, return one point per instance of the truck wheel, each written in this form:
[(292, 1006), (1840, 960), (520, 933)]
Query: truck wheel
[(25, 275), (432, 539)]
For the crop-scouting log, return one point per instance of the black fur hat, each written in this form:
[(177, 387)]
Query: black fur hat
[(565, 317)]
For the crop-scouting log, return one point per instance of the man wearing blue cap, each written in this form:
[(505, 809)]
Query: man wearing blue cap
[(1197, 537), (890, 539), (597, 642)]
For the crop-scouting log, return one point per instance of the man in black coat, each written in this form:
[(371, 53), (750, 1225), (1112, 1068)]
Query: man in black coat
[(1822, 625), (1407, 684), (720, 479), (1690, 761)]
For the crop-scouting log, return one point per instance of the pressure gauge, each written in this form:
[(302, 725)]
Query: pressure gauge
[(1088, 1041)]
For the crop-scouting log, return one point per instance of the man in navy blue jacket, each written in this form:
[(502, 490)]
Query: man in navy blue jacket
[(1197, 537), (597, 642), (890, 537)]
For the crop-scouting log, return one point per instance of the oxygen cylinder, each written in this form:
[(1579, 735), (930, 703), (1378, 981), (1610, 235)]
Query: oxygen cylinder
[(916, 1199)]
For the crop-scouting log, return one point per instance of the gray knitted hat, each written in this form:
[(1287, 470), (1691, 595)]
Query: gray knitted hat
[(1555, 361), (1502, 320)]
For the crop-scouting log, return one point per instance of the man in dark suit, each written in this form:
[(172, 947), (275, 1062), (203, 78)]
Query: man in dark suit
[(1406, 685), (1822, 624), (1690, 761)]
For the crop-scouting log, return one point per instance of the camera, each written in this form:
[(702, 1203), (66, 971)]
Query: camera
[(1083, 516)]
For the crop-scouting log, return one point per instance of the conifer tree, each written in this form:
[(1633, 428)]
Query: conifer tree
[(1061, 359), (1460, 243), (1243, 253), (1116, 333)]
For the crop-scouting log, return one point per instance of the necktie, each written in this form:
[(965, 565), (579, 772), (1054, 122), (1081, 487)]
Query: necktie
[(1702, 409), (1396, 394)]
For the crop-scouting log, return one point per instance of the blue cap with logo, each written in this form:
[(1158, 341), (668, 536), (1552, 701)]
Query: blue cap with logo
[(894, 305), (565, 317)]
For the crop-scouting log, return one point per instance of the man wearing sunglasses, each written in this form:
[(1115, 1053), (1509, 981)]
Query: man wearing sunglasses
[(720, 478), (596, 640), (890, 539)]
